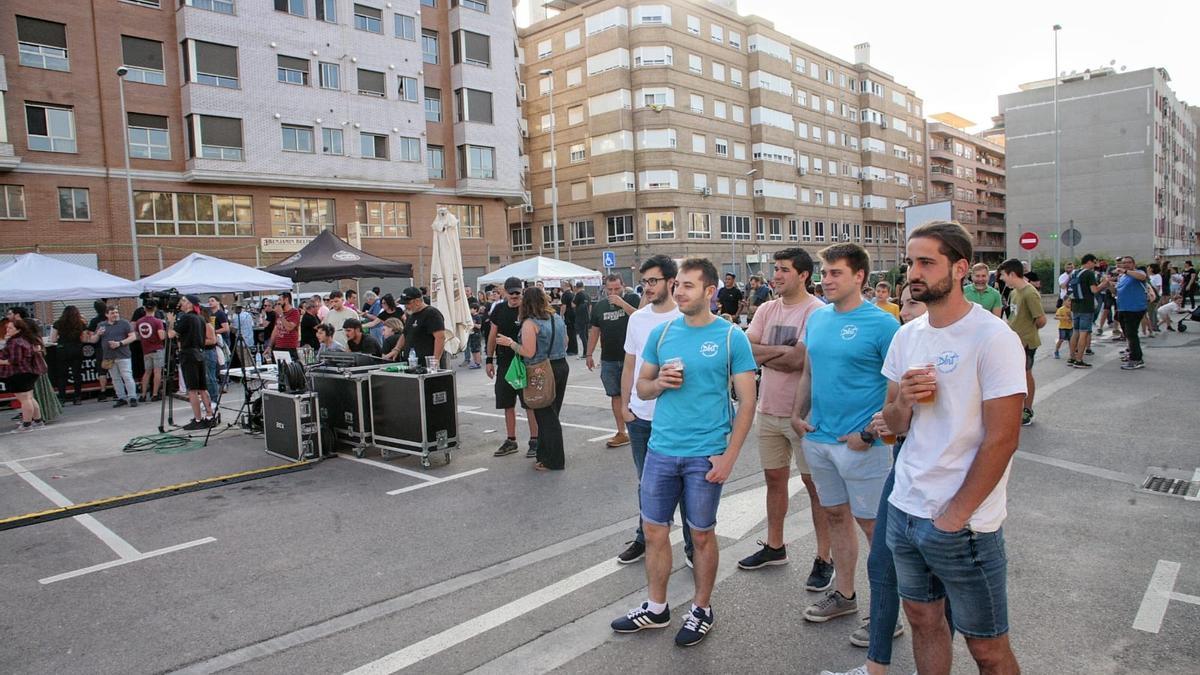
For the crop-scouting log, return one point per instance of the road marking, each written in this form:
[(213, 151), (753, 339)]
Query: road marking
[(742, 511), (1080, 468), (125, 561), (30, 459), (519, 417), (1051, 388), (583, 386), (1158, 595), (389, 467), (418, 486), (599, 438), (1195, 480), (399, 603)]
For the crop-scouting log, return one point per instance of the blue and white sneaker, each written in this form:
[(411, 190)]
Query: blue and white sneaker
[(695, 627), (640, 618)]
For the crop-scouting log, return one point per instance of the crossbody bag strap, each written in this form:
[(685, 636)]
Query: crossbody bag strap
[(662, 336)]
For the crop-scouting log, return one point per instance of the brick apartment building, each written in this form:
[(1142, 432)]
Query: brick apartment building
[(254, 124), (686, 128), (968, 171)]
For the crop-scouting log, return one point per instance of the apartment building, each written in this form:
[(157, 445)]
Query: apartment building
[(684, 128), (252, 125), (968, 171), (1127, 151)]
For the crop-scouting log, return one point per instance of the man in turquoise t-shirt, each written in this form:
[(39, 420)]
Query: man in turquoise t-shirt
[(843, 386), (980, 293), (689, 364)]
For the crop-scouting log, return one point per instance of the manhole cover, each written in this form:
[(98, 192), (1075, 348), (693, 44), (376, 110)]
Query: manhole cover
[(1171, 483)]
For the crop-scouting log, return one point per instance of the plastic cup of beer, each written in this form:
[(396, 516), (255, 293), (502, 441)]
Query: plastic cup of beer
[(926, 365), (889, 439), (674, 363), (431, 364)]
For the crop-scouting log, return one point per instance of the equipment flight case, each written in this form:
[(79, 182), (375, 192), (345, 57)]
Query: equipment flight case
[(345, 403), (291, 427), (414, 414)]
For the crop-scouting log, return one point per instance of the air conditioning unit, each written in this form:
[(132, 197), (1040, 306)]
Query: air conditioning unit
[(527, 208), (706, 191), (801, 171)]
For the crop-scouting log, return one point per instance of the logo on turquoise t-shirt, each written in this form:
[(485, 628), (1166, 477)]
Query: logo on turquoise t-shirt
[(709, 349), (849, 331)]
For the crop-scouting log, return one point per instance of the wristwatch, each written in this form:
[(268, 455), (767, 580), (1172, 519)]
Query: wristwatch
[(867, 437), (491, 359)]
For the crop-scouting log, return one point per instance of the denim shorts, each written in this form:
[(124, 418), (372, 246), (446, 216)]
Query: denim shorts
[(1064, 333), (969, 568), (610, 376), (843, 475), (1082, 321), (668, 481)]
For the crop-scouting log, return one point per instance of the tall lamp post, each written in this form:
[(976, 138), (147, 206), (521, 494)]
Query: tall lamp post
[(737, 266), (137, 267), (549, 72), (1057, 168)]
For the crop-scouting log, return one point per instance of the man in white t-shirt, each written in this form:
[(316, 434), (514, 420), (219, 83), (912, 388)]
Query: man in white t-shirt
[(337, 315), (658, 278), (1064, 283), (777, 338), (957, 383)]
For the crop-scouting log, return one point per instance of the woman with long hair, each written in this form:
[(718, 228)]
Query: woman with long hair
[(210, 356), (67, 333), (544, 336), (21, 364)]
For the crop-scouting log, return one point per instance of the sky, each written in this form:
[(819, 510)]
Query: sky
[(959, 56)]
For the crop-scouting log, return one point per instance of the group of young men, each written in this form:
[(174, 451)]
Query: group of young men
[(836, 380)]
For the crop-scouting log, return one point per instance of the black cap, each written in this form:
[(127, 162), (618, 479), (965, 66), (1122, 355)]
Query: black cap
[(351, 323), (193, 298), (513, 284), (409, 294)]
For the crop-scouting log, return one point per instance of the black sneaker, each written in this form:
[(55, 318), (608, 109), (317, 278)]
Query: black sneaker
[(1027, 416), (1133, 365), (133, 402), (641, 618), (120, 403), (687, 559), (1089, 352), (508, 447), (1082, 364), (533, 448), (635, 552), (1070, 363), (764, 556), (821, 577), (695, 627), (193, 425)]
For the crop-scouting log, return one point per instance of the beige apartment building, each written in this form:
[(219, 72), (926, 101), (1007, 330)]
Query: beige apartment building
[(686, 129), (968, 171)]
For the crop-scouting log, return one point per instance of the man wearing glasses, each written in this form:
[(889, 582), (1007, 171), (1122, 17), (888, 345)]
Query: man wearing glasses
[(505, 320)]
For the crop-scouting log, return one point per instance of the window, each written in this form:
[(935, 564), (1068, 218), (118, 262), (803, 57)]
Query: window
[(370, 83), (574, 77), (613, 182), (407, 88), (330, 76), (222, 6), (12, 202), (579, 191), (472, 48), (722, 185), (699, 226), (433, 104), (429, 3), (477, 5), (294, 7), (661, 179), (435, 157), (735, 77), (695, 64), (696, 103), (545, 84), (382, 219), (611, 18), (410, 149), (291, 70), (571, 38), (802, 130), (42, 44), (406, 27), (546, 122), (739, 187), (545, 48), (473, 105), (735, 40), (191, 215), (700, 182), (148, 137), (819, 230), (578, 152), (716, 33), (660, 225), (583, 232), (718, 71), (653, 56), (552, 235), (366, 18), (331, 142), (698, 143), (654, 15), (300, 216), (476, 161), (548, 161), (793, 230), (73, 204), (615, 142), (143, 59), (470, 219), (719, 109), (327, 10), (429, 46), (620, 228), (693, 25), (806, 231), (739, 114), (50, 128), (373, 146), (739, 151), (738, 227), (609, 60), (657, 96), (522, 238), (620, 99), (215, 64), (721, 147), (575, 115)]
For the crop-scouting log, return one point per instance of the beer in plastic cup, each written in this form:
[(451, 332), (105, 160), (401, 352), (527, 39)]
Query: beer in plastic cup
[(926, 365), (675, 363), (890, 439)]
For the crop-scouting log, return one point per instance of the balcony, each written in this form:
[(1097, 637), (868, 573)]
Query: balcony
[(992, 222), (614, 201), (764, 204)]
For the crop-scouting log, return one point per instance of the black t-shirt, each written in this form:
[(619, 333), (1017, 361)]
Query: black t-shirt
[(729, 299), (220, 318), (612, 322), (506, 321), (367, 345), (269, 330), (1188, 277), (308, 330), (583, 307), (189, 326), (421, 329), (389, 343), (568, 304), (1033, 278), (384, 314), (95, 322)]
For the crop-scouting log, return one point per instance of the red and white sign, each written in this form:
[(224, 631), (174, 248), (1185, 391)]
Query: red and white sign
[(1029, 241)]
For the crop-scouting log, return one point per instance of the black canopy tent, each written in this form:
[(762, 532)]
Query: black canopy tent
[(327, 258)]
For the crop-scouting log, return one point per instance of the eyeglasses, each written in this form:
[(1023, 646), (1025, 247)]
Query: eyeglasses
[(652, 281)]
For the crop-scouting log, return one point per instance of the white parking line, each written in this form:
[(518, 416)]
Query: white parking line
[(584, 386), (125, 561), (443, 479), (381, 465), (1158, 595), (519, 417)]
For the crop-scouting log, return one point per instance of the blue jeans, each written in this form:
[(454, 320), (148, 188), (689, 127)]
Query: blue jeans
[(968, 568), (669, 481), (639, 437), (122, 377), (213, 384)]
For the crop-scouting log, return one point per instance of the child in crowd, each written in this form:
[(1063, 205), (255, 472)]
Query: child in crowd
[(1063, 314), (1168, 310)]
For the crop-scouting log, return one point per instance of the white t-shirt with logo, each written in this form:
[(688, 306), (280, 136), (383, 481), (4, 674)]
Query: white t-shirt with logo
[(1064, 284), (641, 323), (978, 358)]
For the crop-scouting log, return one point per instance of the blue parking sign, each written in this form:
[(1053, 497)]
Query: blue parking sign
[(610, 259)]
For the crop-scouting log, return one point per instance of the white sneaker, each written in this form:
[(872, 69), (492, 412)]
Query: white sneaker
[(861, 670)]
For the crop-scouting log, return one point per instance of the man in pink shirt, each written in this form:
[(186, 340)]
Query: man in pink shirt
[(776, 337)]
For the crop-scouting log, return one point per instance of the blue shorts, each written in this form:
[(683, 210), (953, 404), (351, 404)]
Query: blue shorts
[(1082, 322), (1064, 333), (610, 376), (668, 481), (843, 475), (969, 568)]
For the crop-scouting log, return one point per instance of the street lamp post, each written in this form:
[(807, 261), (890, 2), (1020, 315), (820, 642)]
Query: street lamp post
[(737, 266), (549, 72), (1057, 168), (137, 267)]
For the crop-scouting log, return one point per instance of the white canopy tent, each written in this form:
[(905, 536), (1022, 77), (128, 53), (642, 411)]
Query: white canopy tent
[(199, 273), (446, 282), (37, 278), (546, 270)]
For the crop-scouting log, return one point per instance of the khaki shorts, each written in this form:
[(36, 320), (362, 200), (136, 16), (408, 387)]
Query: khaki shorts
[(778, 444)]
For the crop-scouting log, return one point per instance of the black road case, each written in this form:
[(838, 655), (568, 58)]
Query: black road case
[(414, 414), (291, 427), (344, 402)]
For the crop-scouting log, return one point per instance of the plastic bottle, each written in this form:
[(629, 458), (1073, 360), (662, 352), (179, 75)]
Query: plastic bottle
[(412, 360), (258, 359)]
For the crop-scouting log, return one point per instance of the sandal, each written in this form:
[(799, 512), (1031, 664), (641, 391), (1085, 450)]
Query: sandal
[(538, 466)]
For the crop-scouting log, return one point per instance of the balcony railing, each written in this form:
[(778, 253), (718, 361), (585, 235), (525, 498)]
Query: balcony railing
[(948, 170)]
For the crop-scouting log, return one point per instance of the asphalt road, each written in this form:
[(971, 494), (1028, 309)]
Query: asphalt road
[(509, 570)]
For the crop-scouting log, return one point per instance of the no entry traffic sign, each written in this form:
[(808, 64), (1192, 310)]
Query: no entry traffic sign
[(1028, 241)]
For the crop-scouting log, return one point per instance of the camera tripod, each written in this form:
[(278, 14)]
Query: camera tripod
[(249, 413)]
